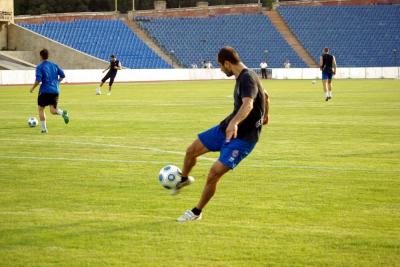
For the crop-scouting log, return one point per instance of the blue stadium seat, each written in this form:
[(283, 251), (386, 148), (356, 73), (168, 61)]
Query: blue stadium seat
[(101, 38), (359, 36), (194, 40)]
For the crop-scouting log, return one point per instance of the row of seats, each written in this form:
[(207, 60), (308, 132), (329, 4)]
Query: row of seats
[(101, 38), (193, 40), (359, 36)]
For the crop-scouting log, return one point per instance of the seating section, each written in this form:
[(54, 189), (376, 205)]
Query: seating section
[(193, 40), (101, 38), (359, 36)]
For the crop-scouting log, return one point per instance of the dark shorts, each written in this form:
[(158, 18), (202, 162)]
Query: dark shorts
[(232, 153), (326, 76), (46, 99), (110, 75)]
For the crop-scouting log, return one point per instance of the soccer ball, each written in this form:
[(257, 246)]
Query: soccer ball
[(32, 122), (314, 81), (169, 176)]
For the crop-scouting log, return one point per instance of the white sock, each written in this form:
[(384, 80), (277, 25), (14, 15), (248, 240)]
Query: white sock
[(59, 111), (326, 94), (43, 125), (330, 93)]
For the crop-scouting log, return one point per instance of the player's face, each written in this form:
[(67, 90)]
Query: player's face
[(226, 68), (113, 59)]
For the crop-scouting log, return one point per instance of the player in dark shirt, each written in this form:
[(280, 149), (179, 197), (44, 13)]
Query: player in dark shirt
[(327, 64), (115, 65), (235, 137)]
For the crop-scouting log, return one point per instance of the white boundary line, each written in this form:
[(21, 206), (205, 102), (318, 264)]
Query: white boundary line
[(170, 152)]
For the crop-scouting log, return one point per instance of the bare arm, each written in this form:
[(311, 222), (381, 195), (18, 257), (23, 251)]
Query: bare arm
[(119, 67), (320, 63), (106, 69), (34, 86), (266, 114), (245, 108), (334, 65)]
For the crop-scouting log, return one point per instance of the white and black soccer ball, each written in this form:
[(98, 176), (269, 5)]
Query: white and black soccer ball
[(169, 176), (314, 82), (32, 122)]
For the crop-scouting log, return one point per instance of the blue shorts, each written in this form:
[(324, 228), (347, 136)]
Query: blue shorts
[(327, 76), (230, 153)]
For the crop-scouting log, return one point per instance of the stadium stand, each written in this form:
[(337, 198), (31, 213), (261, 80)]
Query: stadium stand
[(194, 40), (100, 38), (359, 36)]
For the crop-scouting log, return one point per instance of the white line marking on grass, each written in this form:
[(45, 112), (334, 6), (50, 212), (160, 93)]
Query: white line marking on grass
[(84, 159), (181, 154)]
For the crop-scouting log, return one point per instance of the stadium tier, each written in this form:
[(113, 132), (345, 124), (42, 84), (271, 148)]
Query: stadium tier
[(193, 40), (359, 36), (100, 38)]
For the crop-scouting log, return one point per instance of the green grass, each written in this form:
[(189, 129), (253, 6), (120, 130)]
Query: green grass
[(321, 188)]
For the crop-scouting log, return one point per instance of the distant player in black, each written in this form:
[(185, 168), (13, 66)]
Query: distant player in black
[(115, 65), (327, 64), (235, 137)]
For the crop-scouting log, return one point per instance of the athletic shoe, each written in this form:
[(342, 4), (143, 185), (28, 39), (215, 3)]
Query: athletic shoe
[(327, 98), (65, 116), (188, 216), (98, 91), (180, 185), (44, 131)]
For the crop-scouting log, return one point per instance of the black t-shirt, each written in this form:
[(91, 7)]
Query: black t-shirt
[(248, 85), (112, 65), (327, 63)]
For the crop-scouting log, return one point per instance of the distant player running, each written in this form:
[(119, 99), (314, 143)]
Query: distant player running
[(50, 75), (235, 137), (115, 65), (327, 64)]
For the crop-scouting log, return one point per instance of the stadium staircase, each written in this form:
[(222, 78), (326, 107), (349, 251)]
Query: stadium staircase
[(290, 38), (151, 43), (195, 39)]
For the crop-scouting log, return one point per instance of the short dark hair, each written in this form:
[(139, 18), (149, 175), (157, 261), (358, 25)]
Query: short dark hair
[(228, 53), (112, 56), (326, 49), (44, 54)]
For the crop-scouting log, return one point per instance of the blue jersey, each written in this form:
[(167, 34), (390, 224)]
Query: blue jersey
[(48, 73)]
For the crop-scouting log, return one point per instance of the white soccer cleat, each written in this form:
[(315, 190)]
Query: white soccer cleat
[(180, 185), (188, 216), (98, 91)]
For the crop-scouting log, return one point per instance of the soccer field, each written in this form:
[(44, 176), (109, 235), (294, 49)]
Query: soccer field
[(321, 188)]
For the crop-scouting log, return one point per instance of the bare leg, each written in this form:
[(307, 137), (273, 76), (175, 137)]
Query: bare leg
[(324, 87), (216, 172), (42, 116), (192, 152), (330, 87), (53, 110)]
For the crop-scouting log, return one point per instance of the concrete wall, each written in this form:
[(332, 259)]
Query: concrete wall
[(65, 17), (28, 56), (202, 11), (23, 39), (9, 77), (3, 35)]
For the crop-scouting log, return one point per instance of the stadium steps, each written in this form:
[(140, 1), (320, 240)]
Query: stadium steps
[(145, 37), (8, 62), (290, 38)]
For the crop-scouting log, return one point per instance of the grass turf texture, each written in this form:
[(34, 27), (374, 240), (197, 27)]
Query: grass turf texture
[(321, 188)]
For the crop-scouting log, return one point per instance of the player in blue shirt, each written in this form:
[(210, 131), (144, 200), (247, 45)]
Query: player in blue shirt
[(49, 76)]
